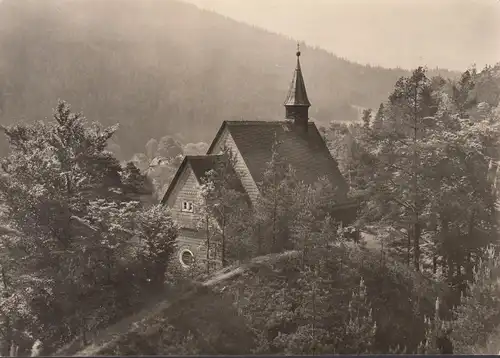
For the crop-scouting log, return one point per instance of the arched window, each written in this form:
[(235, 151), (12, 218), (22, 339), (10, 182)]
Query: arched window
[(186, 258)]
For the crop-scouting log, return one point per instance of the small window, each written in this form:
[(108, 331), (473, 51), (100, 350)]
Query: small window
[(186, 258), (187, 206)]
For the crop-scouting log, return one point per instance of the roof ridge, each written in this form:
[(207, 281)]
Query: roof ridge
[(202, 156), (254, 122), (250, 122)]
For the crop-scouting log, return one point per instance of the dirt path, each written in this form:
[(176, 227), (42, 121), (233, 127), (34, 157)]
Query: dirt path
[(110, 335)]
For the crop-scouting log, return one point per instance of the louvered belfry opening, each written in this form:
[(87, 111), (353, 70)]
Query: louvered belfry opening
[(297, 103)]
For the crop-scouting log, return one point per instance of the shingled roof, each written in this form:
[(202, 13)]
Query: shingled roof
[(307, 152), (299, 143), (201, 165)]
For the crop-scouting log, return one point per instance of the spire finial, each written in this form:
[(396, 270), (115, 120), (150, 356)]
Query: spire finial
[(297, 104)]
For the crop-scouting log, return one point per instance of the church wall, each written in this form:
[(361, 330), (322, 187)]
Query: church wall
[(241, 168), (190, 238), (193, 241), (186, 190)]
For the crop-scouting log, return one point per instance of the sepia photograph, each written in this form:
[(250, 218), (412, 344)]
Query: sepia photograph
[(249, 177)]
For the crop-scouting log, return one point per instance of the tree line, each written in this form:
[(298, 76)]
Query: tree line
[(83, 245), (423, 168)]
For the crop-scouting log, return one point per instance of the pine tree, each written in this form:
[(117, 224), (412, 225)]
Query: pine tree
[(366, 117), (477, 315), (462, 95), (274, 208), (224, 203), (360, 328), (72, 204), (379, 118), (415, 156)]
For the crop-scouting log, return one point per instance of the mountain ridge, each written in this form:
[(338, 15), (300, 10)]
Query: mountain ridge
[(165, 67)]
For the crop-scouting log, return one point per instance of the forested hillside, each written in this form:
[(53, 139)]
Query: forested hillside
[(89, 262), (83, 249), (423, 167), (161, 67)]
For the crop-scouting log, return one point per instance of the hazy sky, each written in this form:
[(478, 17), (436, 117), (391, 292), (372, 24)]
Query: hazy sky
[(447, 33)]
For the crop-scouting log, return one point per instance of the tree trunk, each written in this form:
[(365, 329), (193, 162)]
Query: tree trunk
[(208, 245), (275, 209), (469, 270), (416, 245), (84, 331), (314, 319), (303, 251), (7, 342), (275, 212), (14, 348), (382, 253), (108, 265), (259, 241), (408, 248), (416, 204), (4, 278), (223, 241)]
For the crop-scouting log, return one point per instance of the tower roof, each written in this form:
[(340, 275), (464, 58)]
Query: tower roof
[(297, 94)]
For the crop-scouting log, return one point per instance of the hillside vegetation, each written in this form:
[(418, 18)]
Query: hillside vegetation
[(89, 264), (269, 305), (432, 278), (83, 249), (161, 67)]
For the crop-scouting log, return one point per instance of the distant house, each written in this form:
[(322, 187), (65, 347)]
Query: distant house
[(300, 144)]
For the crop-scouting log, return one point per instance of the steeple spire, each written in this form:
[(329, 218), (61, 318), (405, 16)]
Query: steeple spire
[(297, 103)]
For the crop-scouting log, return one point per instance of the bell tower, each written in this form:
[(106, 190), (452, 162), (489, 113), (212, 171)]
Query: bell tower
[(297, 104)]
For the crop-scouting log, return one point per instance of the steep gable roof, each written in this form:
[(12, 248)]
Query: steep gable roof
[(200, 165), (307, 152)]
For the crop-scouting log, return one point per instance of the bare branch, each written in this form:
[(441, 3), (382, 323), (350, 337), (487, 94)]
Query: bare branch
[(83, 222), (5, 230)]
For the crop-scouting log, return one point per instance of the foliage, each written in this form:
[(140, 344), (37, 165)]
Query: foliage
[(422, 169), (225, 209), (275, 206), (478, 315), (197, 321), (156, 232), (321, 307), (76, 212), (81, 248), (161, 160), (281, 306), (361, 328)]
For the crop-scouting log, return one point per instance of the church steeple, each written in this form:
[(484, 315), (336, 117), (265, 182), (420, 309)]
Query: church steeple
[(297, 104)]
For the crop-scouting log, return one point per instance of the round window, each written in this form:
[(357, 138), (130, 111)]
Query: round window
[(186, 257)]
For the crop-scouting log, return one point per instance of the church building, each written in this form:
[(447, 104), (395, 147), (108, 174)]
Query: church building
[(251, 142)]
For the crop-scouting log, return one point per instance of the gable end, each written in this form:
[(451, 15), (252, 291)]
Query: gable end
[(174, 181)]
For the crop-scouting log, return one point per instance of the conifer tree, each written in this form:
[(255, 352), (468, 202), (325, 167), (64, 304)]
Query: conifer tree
[(274, 208), (224, 202), (73, 209), (366, 117)]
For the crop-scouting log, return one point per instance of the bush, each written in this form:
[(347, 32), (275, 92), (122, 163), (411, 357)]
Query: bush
[(478, 315), (305, 307)]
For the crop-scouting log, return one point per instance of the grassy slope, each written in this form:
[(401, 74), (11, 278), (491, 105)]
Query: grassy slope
[(185, 302), (145, 318)]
